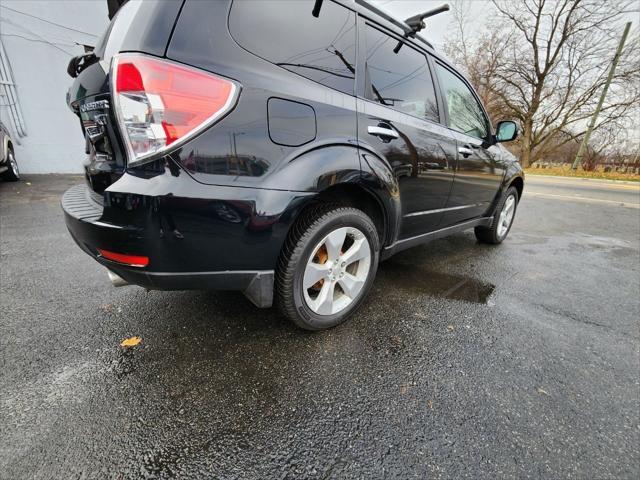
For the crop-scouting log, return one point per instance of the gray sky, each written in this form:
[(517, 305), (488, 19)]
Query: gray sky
[(479, 10), (438, 26)]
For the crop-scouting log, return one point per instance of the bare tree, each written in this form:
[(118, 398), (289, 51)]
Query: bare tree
[(545, 62)]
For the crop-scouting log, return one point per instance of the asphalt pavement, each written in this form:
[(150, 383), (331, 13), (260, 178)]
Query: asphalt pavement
[(467, 360)]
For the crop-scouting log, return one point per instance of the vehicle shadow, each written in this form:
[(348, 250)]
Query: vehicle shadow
[(225, 370), (224, 327), (427, 270)]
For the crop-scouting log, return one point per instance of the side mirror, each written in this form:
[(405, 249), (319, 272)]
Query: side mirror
[(506, 131)]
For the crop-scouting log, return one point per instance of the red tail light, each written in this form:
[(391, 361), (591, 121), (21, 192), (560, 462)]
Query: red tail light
[(131, 260), (160, 104)]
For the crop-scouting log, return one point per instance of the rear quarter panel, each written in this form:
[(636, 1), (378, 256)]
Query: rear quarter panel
[(238, 150)]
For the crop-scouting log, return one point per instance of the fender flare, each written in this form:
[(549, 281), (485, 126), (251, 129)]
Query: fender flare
[(327, 165), (316, 168), (379, 179), (514, 171), (4, 148)]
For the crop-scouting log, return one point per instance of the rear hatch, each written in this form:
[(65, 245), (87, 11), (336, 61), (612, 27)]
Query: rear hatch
[(137, 27)]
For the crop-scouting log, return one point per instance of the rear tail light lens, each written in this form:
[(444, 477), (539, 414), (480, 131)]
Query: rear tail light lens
[(131, 260), (160, 104)]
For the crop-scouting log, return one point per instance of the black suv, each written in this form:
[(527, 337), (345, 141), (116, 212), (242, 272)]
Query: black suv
[(280, 148)]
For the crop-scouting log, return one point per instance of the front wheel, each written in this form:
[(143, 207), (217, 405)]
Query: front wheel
[(502, 220), (327, 266)]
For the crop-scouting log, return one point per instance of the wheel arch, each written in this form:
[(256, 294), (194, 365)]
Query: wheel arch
[(514, 177), (6, 145), (341, 173), (518, 183), (351, 194)]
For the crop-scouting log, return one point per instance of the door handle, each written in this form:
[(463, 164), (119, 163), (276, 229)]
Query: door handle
[(384, 133), (464, 151)]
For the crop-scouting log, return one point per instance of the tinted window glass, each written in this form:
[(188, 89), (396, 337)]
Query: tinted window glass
[(285, 33), (465, 113), (400, 80)]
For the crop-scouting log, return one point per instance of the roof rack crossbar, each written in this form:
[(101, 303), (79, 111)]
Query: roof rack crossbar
[(416, 23)]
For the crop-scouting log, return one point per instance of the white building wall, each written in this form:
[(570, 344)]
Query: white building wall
[(40, 37)]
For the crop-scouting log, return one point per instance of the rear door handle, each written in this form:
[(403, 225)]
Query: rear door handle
[(384, 133), (465, 152)]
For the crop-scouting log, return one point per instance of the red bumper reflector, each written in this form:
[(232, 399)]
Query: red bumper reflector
[(131, 260)]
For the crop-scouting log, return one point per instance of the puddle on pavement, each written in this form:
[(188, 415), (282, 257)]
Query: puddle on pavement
[(519, 238), (611, 243), (437, 284)]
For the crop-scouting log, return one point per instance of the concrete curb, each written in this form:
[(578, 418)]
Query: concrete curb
[(582, 179)]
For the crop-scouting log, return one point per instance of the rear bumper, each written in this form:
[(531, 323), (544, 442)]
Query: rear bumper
[(192, 243), (256, 285)]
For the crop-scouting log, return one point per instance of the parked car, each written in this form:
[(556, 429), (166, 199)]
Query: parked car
[(278, 148), (8, 164)]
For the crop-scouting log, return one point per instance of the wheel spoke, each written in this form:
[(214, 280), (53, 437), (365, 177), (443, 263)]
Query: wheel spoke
[(351, 285), (506, 215), (357, 251), (323, 277), (313, 273), (334, 243), (509, 206), (323, 304)]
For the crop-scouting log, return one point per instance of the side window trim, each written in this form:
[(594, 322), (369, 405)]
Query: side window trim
[(443, 95), (361, 61), (442, 107)]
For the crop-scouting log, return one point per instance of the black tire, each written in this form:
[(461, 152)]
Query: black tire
[(12, 174), (314, 224), (491, 234)]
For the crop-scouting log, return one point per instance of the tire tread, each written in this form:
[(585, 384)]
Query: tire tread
[(290, 256)]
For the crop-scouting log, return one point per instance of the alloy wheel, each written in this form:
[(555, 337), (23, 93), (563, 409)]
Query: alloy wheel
[(336, 271), (13, 165), (506, 215)]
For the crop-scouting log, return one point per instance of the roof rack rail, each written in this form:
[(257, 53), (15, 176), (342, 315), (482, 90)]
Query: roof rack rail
[(383, 14)]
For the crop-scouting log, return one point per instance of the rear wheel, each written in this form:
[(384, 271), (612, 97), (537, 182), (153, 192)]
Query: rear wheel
[(327, 266), (12, 174), (502, 220)]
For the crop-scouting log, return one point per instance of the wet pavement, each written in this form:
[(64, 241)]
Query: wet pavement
[(467, 361)]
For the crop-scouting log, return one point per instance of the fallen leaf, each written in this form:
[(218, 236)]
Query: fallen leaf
[(451, 328), (130, 342), (542, 391), (430, 404), (28, 183)]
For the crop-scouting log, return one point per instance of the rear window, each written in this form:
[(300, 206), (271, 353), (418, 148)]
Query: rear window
[(285, 32)]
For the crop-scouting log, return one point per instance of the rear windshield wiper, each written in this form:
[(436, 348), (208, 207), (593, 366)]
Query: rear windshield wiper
[(78, 63), (316, 8)]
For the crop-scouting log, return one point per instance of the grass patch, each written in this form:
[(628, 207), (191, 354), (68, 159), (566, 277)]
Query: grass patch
[(562, 171)]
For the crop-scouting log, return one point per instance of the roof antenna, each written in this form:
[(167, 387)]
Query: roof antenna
[(416, 23), (316, 8)]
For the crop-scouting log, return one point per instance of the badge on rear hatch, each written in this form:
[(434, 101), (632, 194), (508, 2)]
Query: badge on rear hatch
[(97, 105)]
